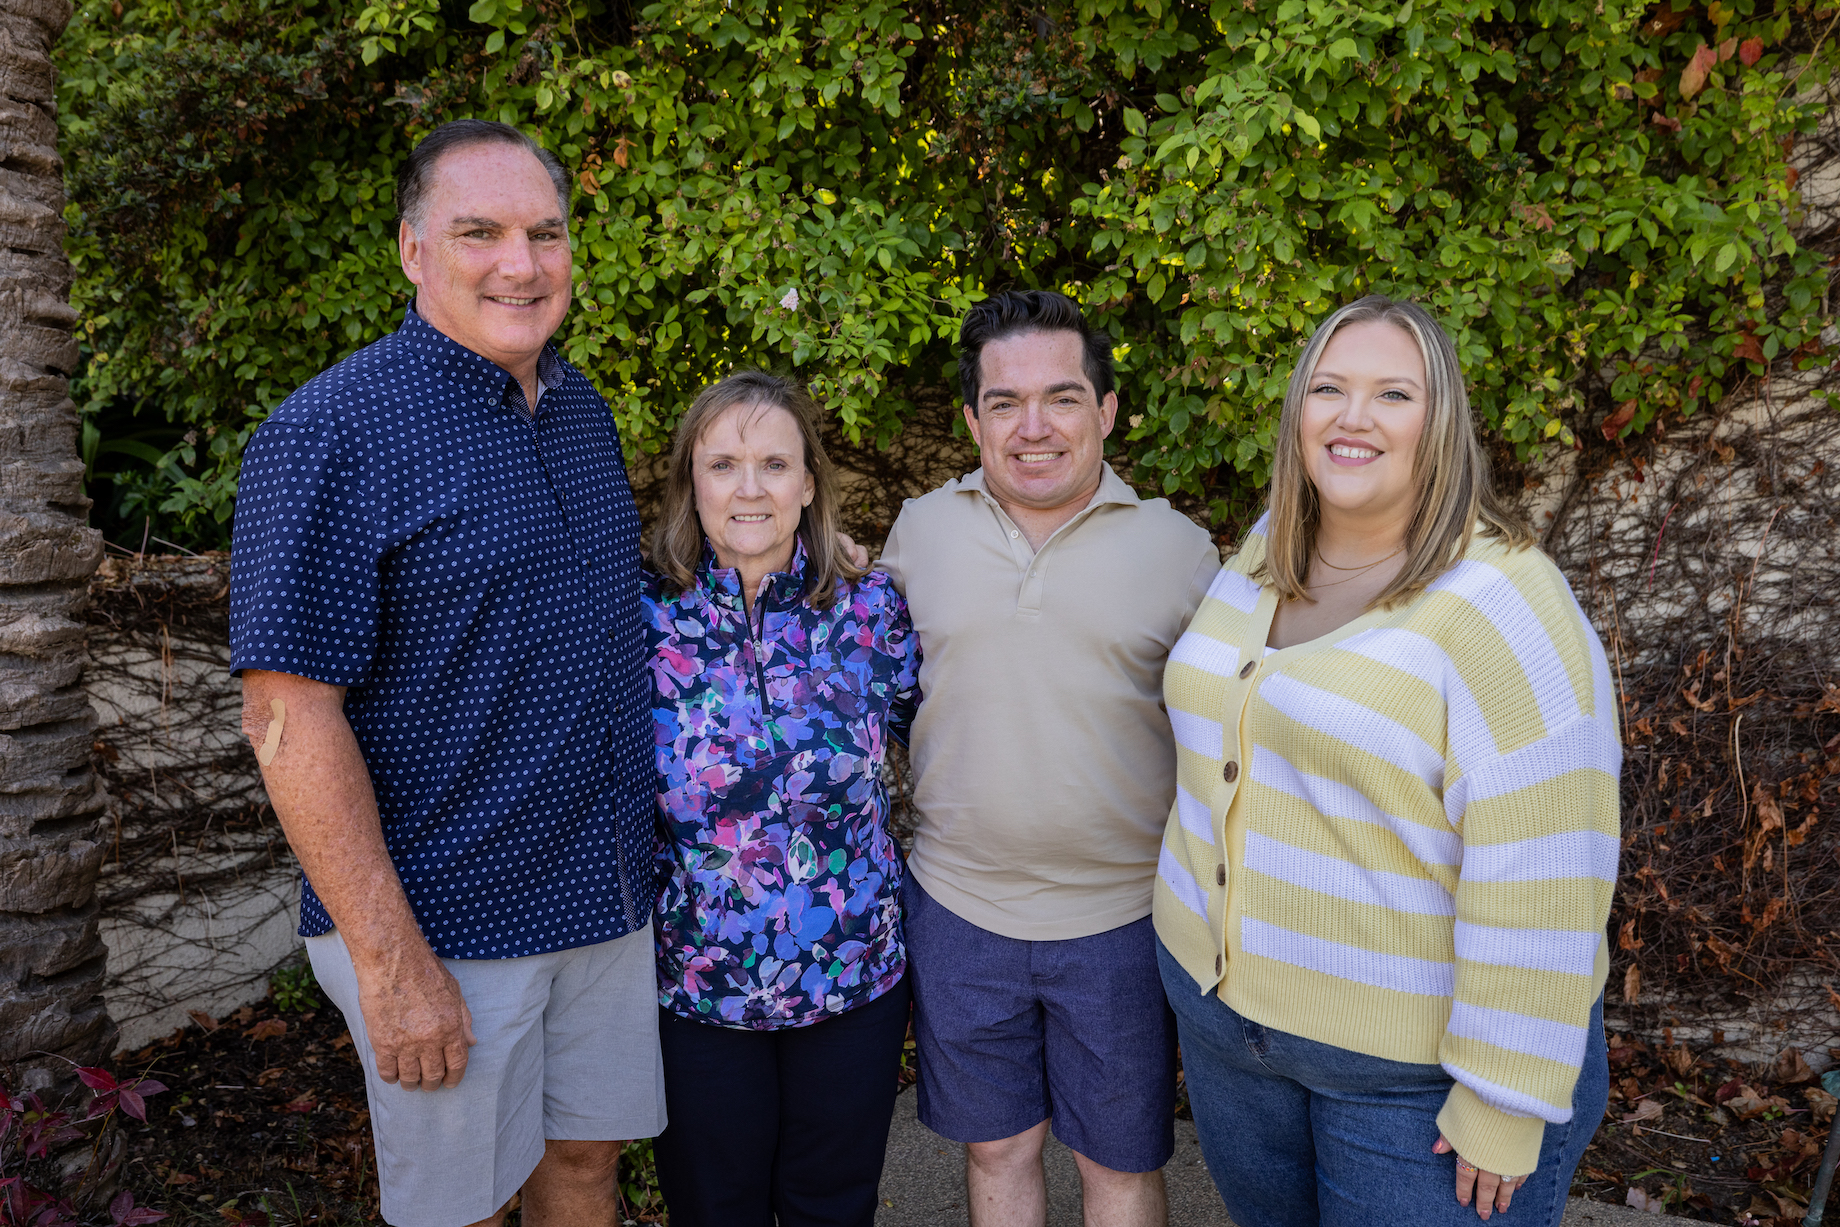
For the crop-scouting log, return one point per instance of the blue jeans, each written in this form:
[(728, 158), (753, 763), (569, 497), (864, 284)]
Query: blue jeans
[(1298, 1133)]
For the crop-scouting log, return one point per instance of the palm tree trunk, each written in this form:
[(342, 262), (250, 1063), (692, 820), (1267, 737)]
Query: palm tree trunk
[(51, 846)]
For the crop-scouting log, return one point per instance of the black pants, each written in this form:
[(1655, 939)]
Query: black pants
[(782, 1127)]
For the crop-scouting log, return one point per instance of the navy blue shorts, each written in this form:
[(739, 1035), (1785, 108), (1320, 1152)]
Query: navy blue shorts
[(1012, 1033)]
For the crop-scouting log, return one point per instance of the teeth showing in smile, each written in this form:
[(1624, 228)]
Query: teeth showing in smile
[(509, 301), (756, 518), (1352, 453), (1036, 457)]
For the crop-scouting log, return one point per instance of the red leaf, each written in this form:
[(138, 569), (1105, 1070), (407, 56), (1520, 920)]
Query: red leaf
[(1795, 176), (96, 1079), (1749, 348), (132, 1104), (268, 1029), (1693, 76), (1665, 121), (1613, 425), (305, 1103), (1537, 216), (1727, 49), (126, 1214), (1750, 51), (147, 1086)]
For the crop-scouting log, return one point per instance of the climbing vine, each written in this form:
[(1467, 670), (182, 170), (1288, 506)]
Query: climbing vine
[(1598, 199)]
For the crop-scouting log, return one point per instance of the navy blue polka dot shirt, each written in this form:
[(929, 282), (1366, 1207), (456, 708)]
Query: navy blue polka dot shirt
[(470, 571)]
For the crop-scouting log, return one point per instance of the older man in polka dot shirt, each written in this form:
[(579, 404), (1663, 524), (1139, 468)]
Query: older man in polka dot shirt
[(435, 612)]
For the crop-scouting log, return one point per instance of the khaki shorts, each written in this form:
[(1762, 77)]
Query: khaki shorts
[(568, 1050)]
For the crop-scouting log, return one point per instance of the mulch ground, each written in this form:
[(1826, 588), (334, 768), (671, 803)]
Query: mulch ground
[(1705, 1137), (264, 1120), (265, 1124)]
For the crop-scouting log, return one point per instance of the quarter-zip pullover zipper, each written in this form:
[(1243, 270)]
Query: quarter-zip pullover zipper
[(760, 675)]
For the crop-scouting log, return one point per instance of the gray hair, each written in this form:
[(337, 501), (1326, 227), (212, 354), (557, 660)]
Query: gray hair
[(415, 175)]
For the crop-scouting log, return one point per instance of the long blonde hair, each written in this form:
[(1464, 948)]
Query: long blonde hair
[(677, 543), (1455, 488)]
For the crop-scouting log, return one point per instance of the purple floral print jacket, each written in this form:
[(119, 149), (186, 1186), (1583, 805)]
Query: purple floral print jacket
[(781, 884)]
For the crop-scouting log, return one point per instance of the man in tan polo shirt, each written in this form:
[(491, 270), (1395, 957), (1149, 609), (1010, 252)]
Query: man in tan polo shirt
[(1047, 596)]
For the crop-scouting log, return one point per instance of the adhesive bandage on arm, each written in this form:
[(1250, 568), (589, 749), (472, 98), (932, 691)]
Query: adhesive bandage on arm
[(271, 744)]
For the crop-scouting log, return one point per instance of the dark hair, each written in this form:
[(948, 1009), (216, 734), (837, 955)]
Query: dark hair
[(677, 543), (1017, 311), (415, 174)]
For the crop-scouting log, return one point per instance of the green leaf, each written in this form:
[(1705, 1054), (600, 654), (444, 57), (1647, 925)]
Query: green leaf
[(896, 170)]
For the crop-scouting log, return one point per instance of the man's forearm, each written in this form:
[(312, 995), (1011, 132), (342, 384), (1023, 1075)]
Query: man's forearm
[(414, 1012), (321, 791)]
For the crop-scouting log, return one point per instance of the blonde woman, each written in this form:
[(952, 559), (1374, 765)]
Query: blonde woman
[(1384, 883)]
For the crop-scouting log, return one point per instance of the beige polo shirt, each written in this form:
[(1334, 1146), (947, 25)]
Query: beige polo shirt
[(1043, 759)]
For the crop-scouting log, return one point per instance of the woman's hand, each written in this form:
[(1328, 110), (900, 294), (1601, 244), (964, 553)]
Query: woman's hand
[(1492, 1192)]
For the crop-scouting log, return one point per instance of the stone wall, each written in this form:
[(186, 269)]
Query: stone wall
[(198, 888), (1708, 555)]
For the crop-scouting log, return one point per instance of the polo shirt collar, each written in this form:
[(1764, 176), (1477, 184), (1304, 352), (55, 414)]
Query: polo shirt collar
[(1112, 488)]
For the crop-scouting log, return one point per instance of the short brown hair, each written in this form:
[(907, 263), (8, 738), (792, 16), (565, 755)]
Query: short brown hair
[(677, 543), (1455, 487)]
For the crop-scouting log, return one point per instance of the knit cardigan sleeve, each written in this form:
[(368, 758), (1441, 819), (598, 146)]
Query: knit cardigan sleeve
[(1531, 784)]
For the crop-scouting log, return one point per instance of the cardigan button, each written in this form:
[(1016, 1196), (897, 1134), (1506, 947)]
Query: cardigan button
[(1247, 671), (1230, 771), (1220, 875)]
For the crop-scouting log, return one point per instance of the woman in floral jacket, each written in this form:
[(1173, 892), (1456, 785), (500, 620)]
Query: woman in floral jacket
[(779, 670)]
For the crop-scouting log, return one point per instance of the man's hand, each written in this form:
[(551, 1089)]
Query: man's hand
[(858, 556), (418, 1022)]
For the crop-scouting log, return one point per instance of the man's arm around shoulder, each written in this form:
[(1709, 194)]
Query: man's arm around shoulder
[(890, 560), (418, 1022)]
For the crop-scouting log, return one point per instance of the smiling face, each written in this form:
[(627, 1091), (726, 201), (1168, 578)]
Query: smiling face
[(491, 264), (1362, 417), (751, 487), (1039, 426)]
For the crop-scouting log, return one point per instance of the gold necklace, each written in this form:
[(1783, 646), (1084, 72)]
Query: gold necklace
[(1358, 571), (1363, 567)]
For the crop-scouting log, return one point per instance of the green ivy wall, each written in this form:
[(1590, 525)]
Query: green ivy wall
[(1596, 198)]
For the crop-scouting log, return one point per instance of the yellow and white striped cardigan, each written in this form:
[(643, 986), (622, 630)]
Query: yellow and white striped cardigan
[(1401, 838)]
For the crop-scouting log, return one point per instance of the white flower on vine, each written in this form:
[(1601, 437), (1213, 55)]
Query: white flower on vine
[(791, 300)]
